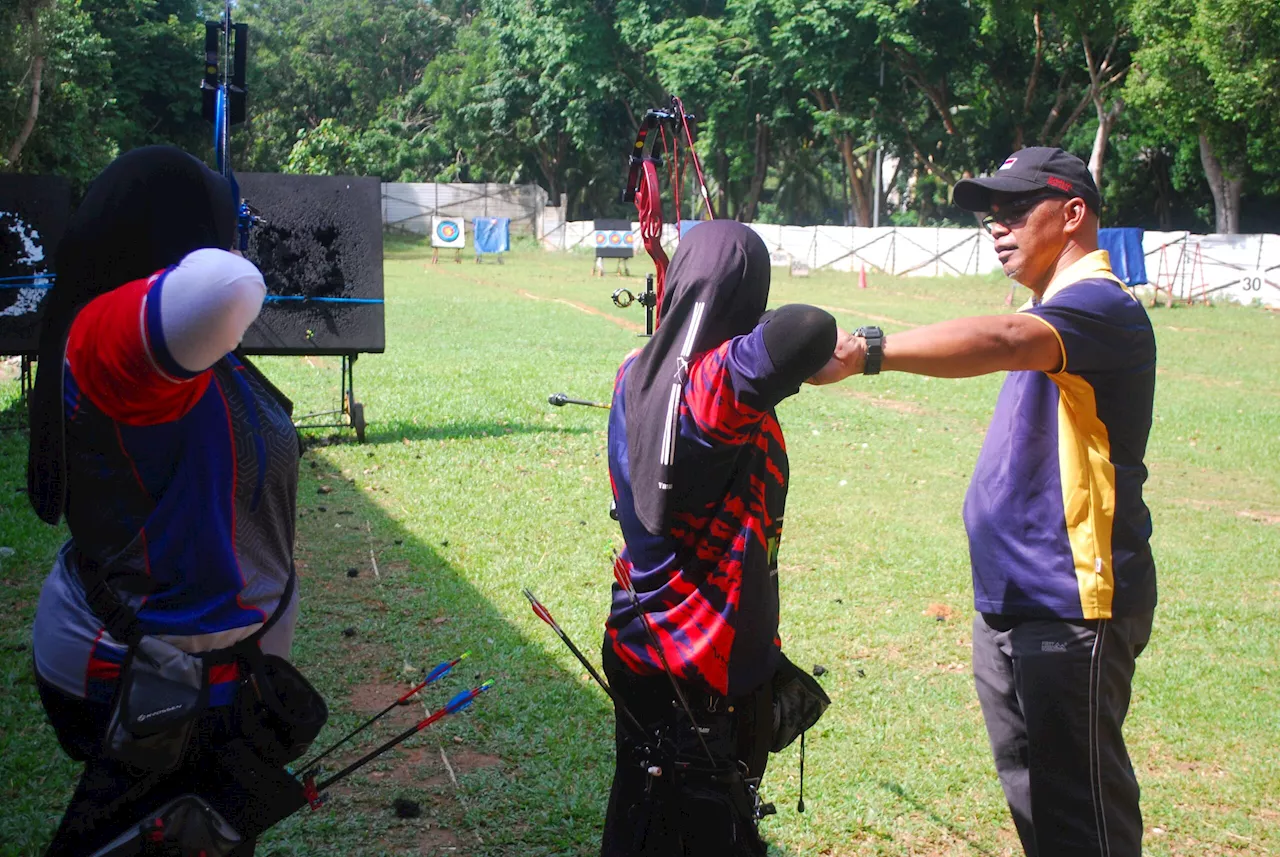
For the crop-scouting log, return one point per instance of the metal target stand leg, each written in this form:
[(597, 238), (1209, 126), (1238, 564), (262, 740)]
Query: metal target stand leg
[(351, 409), (27, 376)]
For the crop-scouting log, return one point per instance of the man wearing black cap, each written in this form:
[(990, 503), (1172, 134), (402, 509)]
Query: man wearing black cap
[(1064, 582)]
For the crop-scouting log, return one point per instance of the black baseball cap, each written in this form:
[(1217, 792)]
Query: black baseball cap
[(1028, 170)]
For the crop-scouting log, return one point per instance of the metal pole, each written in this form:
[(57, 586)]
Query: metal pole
[(875, 205)]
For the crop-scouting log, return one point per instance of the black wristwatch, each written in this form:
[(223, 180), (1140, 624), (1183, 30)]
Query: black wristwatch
[(875, 349)]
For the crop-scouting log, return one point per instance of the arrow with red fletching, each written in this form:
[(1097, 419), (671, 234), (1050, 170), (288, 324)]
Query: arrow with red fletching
[(545, 615)]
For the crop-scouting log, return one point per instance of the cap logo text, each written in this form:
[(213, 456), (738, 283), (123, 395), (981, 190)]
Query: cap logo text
[(1060, 184)]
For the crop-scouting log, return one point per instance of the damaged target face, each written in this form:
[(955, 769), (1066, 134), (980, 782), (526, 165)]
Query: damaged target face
[(24, 267), (34, 211), (319, 247)]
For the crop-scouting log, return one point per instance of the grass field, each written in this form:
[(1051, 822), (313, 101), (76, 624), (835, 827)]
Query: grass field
[(471, 487)]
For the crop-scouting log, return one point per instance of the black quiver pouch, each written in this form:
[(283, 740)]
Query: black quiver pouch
[(798, 702), (278, 712), (186, 825)]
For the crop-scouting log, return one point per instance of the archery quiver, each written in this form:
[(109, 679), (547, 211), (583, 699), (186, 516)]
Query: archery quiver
[(186, 826)]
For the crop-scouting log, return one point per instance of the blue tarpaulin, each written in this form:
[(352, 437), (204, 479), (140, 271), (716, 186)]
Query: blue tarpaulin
[(1125, 248), (686, 225), (492, 234)]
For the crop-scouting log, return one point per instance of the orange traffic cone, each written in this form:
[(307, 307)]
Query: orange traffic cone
[(862, 276)]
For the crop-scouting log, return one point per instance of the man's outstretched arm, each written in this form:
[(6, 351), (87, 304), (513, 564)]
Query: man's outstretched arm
[(961, 348)]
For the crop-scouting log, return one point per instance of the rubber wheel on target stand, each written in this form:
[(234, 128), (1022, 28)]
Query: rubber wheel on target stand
[(355, 414)]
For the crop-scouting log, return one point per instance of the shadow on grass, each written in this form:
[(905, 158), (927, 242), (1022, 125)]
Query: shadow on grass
[(524, 771), (897, 790), (13, 415), (397, 432)]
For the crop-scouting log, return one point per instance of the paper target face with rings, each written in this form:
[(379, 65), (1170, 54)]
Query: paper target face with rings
[(448, 232)]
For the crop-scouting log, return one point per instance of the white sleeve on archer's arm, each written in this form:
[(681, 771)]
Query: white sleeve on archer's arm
[(207, 304)]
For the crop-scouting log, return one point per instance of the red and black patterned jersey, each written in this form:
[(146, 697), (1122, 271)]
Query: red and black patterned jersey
[(709, 585)]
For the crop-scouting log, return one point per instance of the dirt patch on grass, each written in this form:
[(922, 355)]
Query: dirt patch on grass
[(896, 405), (1196, 378), (438, 840), (1261, 517), (1271, 518), (424, 767), (590, 310), (940, 612), (373, 696), (856, 313)]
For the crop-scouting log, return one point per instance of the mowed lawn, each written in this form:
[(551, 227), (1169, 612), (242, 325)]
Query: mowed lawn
[(415, 545)]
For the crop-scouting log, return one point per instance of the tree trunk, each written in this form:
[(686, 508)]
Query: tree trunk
[(752, 203), (861, 196), (1106, 121), (1019, 135), (1225, 190), (722, 185), (37, 75)]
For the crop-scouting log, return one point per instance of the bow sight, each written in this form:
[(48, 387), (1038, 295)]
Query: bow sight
[(624, 297)]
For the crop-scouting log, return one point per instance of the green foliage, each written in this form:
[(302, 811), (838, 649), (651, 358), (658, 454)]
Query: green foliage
[(795, 99), (1212, 67)]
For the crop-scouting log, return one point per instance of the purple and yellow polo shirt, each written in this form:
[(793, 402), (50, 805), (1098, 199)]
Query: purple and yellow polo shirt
[(1056, 522)]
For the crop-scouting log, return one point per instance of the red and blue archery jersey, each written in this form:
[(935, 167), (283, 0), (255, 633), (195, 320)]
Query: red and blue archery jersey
[(181, 485), (709, 584)]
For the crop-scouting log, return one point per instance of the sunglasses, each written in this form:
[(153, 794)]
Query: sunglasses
[(1016, 211)]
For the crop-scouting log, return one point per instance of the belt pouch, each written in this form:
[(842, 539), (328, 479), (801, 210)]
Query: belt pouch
[(162, 690), (798, 702), (279, 713)]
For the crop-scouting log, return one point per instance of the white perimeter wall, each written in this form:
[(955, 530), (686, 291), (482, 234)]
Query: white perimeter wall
[(1245, 268)]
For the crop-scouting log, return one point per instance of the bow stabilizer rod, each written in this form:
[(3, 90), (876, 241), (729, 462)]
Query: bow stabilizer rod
[(561, 399)]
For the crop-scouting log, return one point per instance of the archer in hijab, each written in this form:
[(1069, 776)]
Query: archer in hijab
[(174, 465), (700, 476)]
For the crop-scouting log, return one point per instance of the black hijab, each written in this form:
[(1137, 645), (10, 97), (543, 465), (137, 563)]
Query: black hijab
[(717, 288), (147, 210)]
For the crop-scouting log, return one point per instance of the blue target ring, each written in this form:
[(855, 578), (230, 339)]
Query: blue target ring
[(447, 230)]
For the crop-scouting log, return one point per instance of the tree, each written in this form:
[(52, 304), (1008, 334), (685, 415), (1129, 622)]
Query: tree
[(827, 48), (1208, 71), (56, 90)]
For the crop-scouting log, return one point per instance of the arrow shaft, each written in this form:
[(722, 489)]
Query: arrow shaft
[(624, 580), (435, 675), (545, 615)]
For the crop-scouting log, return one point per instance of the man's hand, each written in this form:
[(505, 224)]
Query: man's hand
[(849, 356)]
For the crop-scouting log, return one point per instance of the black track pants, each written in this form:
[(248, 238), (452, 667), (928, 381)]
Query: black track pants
[(1054, 696)]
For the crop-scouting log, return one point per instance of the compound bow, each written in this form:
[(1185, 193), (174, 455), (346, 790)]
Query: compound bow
[(644, 188)]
